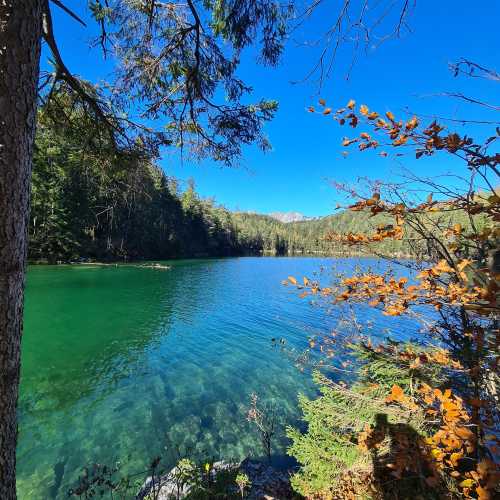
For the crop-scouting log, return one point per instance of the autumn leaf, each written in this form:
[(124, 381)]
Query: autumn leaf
[(351, 104), (347, 142), (467, 483), (455, 457), (396, 394), (412, 124), (482, 493), (292, 280), (322, 102), (400, 141), (363, 110)]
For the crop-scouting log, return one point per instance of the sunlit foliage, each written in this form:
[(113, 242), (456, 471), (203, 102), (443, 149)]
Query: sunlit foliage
[(455, 294)]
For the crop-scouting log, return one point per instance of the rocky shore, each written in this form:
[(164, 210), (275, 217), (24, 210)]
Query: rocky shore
[(264, 482)]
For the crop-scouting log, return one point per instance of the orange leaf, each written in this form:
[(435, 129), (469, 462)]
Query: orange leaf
[(396, 394), (482, 493)]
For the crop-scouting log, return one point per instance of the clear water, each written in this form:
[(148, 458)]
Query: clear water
[(123, 364)]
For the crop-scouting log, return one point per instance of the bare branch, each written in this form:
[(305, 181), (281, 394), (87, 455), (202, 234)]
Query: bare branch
[(68, 11), (474, 70)]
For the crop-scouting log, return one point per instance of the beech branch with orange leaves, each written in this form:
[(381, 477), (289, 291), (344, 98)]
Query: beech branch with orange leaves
[(458, 280)]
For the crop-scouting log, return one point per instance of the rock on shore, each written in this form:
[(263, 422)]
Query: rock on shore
[(267, 482)]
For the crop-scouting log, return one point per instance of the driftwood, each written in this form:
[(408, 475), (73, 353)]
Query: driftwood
[(154, 265)]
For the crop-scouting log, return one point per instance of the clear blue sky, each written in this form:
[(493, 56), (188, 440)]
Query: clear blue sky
[(306, 154)]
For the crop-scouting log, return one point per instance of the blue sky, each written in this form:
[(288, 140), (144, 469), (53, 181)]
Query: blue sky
[(306, 156)]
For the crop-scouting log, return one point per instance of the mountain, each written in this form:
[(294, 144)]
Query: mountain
[(290, 216)]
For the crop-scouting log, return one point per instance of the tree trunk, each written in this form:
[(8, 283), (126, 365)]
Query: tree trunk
[(20, 30)]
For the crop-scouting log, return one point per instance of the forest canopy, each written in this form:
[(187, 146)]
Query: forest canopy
[(103, 203)]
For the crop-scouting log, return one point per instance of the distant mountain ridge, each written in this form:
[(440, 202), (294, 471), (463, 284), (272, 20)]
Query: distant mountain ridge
[(290, 217)]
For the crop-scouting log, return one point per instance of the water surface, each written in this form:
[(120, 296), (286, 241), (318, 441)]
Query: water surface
[(122, 364)]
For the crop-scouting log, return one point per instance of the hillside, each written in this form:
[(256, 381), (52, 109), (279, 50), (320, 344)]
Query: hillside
[(308, 236), (111, 206)]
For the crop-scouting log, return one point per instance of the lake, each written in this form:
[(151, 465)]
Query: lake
[(121, 364)]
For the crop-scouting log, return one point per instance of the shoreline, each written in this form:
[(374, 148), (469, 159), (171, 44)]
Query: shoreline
[(147, 263)]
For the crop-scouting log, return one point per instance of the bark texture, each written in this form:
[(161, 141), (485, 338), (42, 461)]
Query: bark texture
[(20, 30)]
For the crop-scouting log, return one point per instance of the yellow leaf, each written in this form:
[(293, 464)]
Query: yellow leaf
[(467, 483), (390, 116), (292, 280), (351, 104), (363, 110), (455, 457)]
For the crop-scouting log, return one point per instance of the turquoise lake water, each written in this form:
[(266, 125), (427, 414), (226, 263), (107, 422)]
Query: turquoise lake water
[(123, 364)]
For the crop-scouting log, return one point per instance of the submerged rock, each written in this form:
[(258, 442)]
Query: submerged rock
[(267, 483)]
